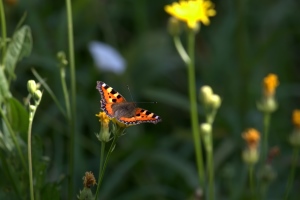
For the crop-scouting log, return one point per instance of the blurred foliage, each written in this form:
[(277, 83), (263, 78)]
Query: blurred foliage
[(245, 41)]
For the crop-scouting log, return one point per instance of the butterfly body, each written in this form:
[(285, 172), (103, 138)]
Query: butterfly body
[(126, 109), (116, 106)]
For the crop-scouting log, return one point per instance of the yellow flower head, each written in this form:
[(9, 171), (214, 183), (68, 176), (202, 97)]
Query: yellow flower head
[(270, 84), (252, 137), (89, 180), (296, 118), (103, 118), (192, 11)]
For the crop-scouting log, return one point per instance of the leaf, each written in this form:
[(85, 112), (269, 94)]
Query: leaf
[(4, 88), (19, 47), (17, 115)]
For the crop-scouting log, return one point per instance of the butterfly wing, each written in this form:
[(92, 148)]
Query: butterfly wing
[(109, 96), (141, 116)]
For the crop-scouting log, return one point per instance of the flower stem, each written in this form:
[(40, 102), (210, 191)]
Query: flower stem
[(65, 91), (292, 172), (31, 116), (73, 98), (267, 118), (3, 28), (104, 164), (100, 166), (193, 107), (210, 168), (251, 181), (185, 57)]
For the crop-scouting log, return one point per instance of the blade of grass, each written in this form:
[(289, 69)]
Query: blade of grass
[(48, 89)]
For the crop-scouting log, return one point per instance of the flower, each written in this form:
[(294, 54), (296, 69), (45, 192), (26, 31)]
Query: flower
[(270, 84), (296, 118), (268, 103), (192, 11), (89, 180), (31, 86), (294, 138), (251, 155), (104, 134), (252, 137), (103, 118)]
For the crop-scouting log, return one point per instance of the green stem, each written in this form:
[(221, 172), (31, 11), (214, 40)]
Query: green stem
[(31, 116), (105, 163), (73, 98), (267, 118), (292, 172), (193, 107), (184, 56), (264, 188), (3, 27), (14, 138), (210, 168), (251, 181), (100, 166), (65, 91)]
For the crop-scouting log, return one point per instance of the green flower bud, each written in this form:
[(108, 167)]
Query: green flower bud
[(104, 134), (267, 105), (32, 108), (215, 101), (206, 129), (205, 94), (61, 56), (174, 26), (250, 156), (37, 95), (31, 86), (85, 194), (294, 138)]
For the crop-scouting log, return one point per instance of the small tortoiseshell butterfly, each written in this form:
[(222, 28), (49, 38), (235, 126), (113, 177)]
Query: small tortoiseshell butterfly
[(115, 106)]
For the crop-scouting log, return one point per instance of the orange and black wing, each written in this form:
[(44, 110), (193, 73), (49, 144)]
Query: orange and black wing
[(109, 96), (141, 116)]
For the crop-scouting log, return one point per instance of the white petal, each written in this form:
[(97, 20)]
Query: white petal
[(106, 57)]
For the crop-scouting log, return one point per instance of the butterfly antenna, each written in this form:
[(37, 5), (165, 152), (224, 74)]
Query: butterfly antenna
[(138, 102), (129, 92)]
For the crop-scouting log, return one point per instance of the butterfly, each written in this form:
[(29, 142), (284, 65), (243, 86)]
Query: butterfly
[(116, 106)]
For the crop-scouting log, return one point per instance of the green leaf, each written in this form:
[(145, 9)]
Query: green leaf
[(4, 88), (17, 115), (19, 47)]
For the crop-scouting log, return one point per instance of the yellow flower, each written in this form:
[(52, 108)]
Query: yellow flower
[(103, 118), (252, 137), (104, 134), (270, 84), (296, 118), (192, 11)]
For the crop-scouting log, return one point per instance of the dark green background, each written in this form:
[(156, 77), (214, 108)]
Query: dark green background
[(245, 41)]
